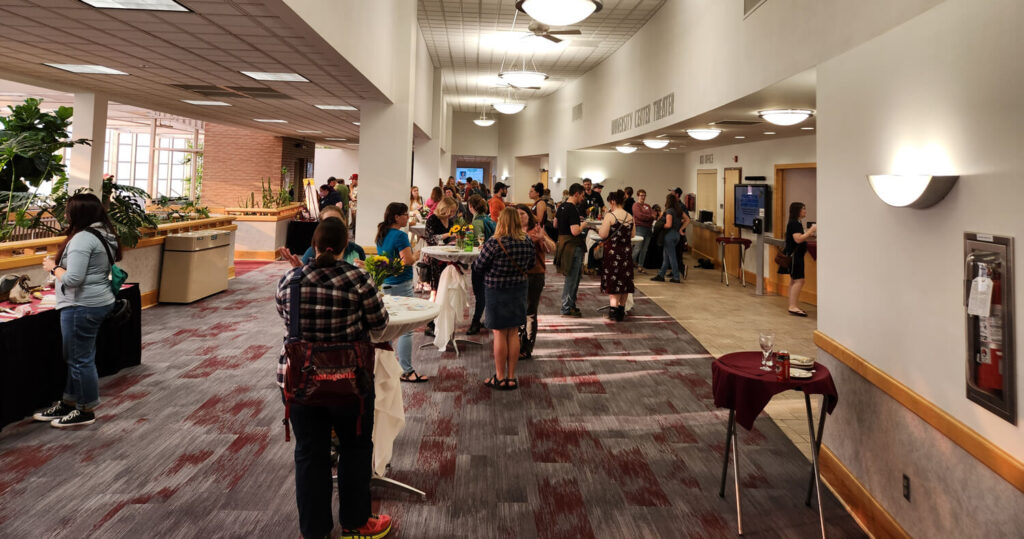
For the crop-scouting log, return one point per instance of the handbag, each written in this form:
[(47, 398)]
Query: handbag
[(118, 276), (783, 260), (323, 373)]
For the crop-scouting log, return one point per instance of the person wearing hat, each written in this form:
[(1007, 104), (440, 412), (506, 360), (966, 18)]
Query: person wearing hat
[(496, 203)]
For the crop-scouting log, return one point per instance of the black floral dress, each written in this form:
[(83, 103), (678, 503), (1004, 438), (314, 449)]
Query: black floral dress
[(617, 264)]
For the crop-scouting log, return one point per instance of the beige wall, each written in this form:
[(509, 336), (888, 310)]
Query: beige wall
[(801, 186), (471, 139)]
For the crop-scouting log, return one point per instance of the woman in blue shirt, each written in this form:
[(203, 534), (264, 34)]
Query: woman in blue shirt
[(393, 242)]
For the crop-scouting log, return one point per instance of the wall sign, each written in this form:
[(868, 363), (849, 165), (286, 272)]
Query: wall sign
[(658, 109), (707, 159)]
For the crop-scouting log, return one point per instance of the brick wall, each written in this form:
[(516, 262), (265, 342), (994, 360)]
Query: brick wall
[(234, 161)]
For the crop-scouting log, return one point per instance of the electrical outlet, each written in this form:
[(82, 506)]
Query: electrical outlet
[(906, 487)]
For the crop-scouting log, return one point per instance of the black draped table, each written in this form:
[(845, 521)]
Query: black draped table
[(32, 368), (300, 236), (739, 384)]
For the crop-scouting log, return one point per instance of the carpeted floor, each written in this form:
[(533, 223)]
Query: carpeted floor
[(613, 434)]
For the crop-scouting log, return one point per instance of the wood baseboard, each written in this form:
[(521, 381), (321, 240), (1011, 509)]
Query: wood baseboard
[(870, 514), (1001, 462), (149, 299), (231, 272), (255, 255)]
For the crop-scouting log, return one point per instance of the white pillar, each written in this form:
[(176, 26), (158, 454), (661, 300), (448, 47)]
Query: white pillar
[(385, 133), (89, 121), (427, 160)]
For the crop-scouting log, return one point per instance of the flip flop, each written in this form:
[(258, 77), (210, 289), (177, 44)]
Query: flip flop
[(797, 313), (413, 378)]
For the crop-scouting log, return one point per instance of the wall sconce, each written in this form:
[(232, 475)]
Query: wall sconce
[(911, 191)]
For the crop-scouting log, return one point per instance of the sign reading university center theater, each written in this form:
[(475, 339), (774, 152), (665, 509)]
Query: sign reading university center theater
[(660, 108)]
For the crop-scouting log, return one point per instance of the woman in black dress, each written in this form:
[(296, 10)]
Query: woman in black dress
[(617, 265), (438, 226), (796, 247)]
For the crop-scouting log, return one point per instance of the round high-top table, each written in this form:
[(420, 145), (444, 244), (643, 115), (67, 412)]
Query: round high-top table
[(452, 294), (744, 244), (404, 315), (419, 230), (739, 384)]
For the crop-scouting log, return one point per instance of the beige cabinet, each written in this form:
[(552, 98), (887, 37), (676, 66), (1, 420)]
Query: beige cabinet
[(195, 265)]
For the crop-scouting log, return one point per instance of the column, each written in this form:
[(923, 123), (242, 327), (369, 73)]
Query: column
[(89, 121), (385, 134), (427, 160)]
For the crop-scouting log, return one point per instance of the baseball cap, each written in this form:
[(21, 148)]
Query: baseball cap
[(499, 186)]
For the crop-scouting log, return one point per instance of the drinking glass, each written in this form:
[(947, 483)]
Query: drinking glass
[(767, 341)]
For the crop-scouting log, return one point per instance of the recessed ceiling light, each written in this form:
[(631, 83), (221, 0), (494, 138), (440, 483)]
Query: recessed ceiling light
[(334, 107), (151, 5), (337, 139), (739, 136), (87, 69), (307, 131), (785, 116), (206, 103), (807, 129), (276, 77), (267, 121), (355, 123), (769, 132)]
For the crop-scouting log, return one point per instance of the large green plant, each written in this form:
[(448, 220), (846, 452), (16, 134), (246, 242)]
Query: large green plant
[(40, 135), (126, 206)]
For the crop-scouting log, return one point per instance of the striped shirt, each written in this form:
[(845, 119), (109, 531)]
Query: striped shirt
[(338, 304)]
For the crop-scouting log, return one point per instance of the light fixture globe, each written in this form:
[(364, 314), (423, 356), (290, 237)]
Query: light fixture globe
[(508, 107), (523, 79), (910, 191), (484, 122), (626, 149), (785, 116), (703, 134), (559, 12), (655, 143)]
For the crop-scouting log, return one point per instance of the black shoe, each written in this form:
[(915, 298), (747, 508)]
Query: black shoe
[(672, 280), (612, 313), (57, 411), (620, 313), (429, 332), (658, 278), (474, 328), (576, 313), (76, 418)]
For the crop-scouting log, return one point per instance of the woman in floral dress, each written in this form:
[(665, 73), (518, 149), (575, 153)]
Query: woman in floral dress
[(617, 230)]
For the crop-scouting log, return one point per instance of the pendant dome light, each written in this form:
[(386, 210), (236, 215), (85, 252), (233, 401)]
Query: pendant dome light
[(785, 116), (483, 120), (626, 148), (703, 134), (655, 143), (522, 78), (509, 107), (559, 12)]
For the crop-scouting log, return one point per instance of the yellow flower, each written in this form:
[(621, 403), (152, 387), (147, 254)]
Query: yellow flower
[(470, 227), (455, 229)]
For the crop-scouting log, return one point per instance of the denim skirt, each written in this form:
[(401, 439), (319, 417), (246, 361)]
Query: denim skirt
[(505, 307)]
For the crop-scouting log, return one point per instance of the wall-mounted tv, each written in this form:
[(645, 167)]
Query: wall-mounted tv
[(749, 200), (466, 174)]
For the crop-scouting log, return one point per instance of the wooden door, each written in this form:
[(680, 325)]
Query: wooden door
[(544, 179), (732, 254)]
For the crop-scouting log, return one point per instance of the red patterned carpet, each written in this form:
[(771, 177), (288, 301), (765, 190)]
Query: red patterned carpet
[(613, 434)]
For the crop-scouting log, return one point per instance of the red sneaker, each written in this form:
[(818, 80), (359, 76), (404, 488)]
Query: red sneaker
[(376, 527)]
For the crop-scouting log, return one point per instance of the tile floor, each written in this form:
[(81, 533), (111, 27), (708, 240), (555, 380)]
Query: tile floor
[(729, 318)]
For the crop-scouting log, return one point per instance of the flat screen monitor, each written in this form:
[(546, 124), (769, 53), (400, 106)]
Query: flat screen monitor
[(463, 175), (749, 200)]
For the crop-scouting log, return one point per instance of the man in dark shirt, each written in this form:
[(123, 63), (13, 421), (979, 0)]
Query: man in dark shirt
[(628, 203), (569, 252), (591, 199)]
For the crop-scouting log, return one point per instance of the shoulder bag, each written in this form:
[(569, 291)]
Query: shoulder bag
[(783, 260), (323, 373)]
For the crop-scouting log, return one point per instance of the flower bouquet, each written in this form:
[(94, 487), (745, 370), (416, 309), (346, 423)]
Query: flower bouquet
[(381, 267)]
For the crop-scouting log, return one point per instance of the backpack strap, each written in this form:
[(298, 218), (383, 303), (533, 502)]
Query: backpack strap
[(294, 302)]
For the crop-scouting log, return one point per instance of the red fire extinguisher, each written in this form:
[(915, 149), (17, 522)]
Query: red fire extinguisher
[(990, 334)]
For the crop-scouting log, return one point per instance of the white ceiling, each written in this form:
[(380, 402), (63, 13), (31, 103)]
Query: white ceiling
[(465, 39), (208, 47)]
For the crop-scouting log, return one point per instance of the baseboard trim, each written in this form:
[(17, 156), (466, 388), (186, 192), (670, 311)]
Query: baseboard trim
[(998, 460), (255, 255), (149, 299), (865, 509)]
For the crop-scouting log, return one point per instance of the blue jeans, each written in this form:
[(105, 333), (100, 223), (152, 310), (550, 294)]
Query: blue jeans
[(640, 254), (572, 281), (403, 344), (78, 328), (669, 255)]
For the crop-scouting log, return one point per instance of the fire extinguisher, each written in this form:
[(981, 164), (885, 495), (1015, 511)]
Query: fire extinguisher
[(990, 334)]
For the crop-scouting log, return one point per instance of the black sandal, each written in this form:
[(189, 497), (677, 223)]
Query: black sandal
[(509, 384), (413, 378), (493, 382)]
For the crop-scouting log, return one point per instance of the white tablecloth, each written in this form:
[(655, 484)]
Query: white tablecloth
[(419, 230), (450, 253), (404, 315)]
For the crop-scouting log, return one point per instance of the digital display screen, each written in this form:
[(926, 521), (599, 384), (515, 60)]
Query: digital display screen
[(463, 175), (749, 200)]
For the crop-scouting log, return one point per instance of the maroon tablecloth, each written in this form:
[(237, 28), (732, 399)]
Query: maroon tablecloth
[(738, 383), (812, 249)]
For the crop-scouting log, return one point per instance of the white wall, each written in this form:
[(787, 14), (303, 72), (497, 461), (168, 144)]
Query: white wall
[(652, 171), (471, 139), (959, 102), (337, 162), (423, 100)]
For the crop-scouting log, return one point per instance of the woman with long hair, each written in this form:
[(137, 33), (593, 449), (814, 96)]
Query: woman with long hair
[(435, 196), (84, 298), (415, 200), (796, 247), (338, 303), (673, 224), (617, 230), (503, 261), (542, 245), (393, 242)]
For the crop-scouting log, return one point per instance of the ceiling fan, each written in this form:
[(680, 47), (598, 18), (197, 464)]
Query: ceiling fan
[(545, 31)]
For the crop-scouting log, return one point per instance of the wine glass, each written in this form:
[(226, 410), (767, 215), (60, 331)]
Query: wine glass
[(767, 340)]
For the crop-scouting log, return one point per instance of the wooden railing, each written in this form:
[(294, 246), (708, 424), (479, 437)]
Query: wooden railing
[(283, 213)]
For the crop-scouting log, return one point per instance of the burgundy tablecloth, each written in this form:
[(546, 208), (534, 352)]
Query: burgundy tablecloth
[(739, 384), (812, 249)]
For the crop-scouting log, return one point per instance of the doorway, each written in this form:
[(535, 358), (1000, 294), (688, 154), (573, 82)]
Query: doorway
[(795, 182)]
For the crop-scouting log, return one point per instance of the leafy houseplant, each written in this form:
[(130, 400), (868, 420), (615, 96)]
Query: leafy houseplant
[(40, 136), (181, 209), (126, 206)]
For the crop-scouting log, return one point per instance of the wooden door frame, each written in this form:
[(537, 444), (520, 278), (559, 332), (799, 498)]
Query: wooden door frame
[(725, 213), (780, 218)]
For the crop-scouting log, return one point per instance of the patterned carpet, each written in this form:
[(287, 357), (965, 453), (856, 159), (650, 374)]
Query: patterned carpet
[(613, 434)]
